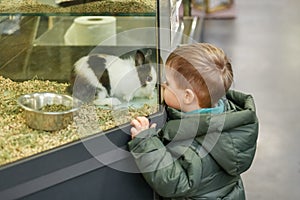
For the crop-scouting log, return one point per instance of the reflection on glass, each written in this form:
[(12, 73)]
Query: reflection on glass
[(112, 54)]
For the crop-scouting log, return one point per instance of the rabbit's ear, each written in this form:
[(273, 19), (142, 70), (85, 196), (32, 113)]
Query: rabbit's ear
[(139, 58), (148, 53)]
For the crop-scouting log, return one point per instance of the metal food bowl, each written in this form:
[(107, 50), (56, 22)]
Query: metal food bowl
[(48, 121)]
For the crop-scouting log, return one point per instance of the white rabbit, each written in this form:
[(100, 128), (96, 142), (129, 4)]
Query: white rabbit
[(108, 80)]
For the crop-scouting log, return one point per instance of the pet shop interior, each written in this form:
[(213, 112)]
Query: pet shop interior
[(64, 130)]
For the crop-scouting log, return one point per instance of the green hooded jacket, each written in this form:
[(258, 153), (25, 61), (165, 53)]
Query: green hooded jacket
[(200, 156)]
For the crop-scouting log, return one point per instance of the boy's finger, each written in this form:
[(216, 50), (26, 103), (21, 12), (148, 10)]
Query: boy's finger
[(133, 132), (153, 125), (143, 120), (135, 123)]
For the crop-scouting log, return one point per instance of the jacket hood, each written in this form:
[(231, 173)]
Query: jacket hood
[(230, 138)]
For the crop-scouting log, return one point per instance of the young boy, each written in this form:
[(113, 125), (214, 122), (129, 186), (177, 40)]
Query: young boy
[(210, 135)]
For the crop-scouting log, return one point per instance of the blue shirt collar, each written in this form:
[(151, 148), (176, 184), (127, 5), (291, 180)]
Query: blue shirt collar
[(215, 110)]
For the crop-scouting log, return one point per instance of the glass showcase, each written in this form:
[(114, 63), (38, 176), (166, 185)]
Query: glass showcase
[(59, 47)]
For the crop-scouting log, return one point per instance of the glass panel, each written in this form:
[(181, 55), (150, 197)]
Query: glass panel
[(41, 45), (79, 7)]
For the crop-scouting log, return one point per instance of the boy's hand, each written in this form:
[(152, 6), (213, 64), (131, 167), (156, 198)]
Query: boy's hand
[(139, 124)]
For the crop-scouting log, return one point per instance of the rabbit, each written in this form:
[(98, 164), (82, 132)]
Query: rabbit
[(109, 80)]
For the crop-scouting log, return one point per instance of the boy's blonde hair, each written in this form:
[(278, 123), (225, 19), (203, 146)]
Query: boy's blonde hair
[(203, 68)]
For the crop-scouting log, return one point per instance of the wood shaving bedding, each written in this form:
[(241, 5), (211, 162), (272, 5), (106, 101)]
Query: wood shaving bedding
[(18, 141)]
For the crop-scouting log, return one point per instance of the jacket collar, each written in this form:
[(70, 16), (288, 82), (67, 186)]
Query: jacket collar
[(239, 110)]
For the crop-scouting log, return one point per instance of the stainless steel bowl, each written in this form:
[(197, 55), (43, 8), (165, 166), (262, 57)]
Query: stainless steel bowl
[(49, 121)]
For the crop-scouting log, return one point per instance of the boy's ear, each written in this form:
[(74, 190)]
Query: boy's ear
[(189, 96)]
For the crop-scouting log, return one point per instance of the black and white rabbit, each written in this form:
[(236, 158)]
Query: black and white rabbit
[(108, 80)]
